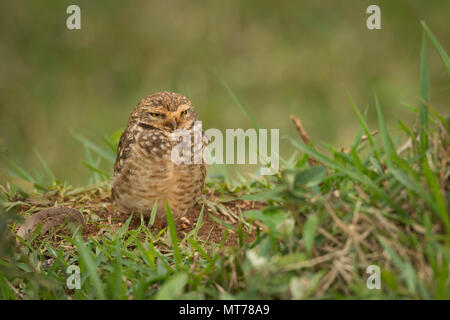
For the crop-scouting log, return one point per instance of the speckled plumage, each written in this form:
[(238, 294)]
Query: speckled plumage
[(143, 171)]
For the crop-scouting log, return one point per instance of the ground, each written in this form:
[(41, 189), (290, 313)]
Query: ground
[(100, 215)]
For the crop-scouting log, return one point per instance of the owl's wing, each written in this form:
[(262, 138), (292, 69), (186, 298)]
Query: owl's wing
[(123, 150)]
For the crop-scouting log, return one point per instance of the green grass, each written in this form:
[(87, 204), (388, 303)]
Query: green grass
[(320, 228)]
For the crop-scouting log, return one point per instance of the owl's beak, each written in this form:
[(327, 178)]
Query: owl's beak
[(172, 123)]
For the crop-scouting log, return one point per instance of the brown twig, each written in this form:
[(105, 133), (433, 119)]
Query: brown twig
[(363, 138), (302, 132)]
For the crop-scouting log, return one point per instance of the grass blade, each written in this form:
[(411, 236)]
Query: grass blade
[(97, 170), (19, 171), (151, 222), (424, 94), (199, 222), (44, 165), (444, 57), (439, 201), (87, 259), (309, 231), (365, 127), (352, 174), (387, 142), (172, 288), (104, 153), (173, 237), (240, 105)]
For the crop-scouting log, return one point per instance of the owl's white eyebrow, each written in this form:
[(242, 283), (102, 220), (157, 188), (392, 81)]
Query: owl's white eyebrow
[(183, 107)]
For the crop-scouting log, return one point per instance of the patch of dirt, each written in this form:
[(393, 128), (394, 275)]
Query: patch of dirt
[(210, 230), (213, 231), (102, 216)]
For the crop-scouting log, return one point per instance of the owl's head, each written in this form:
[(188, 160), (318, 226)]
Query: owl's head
[(166, 111)]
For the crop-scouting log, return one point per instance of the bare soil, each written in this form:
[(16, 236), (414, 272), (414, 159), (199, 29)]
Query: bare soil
[(100, 216)]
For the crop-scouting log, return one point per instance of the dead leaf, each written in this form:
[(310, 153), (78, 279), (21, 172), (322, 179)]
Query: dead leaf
[(50, 217)]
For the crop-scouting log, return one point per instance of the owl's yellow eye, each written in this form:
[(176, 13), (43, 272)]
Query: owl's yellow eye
[(183, 113), (155, 114)]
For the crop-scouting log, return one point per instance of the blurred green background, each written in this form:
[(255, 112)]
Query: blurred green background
[(280, 58)]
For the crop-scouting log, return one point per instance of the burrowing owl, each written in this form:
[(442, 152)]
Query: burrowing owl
[(144, 171)]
